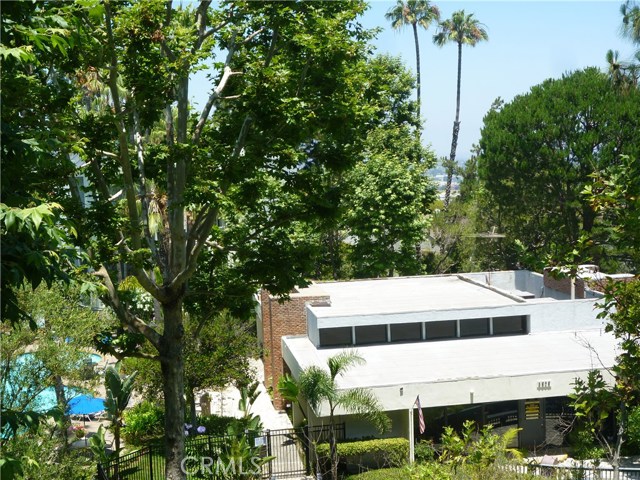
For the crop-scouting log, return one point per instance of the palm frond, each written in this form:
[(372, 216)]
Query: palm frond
[(288, 388), (341, 362), (316, 386), (365, 404)]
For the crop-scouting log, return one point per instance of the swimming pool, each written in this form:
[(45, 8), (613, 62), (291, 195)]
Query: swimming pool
[(45, 399)]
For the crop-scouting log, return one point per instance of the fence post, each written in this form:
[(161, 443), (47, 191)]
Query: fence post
[(307, 449), (150, 462), (268, 432)]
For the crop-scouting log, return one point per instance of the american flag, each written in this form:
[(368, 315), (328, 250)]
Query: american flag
[(421, 424)]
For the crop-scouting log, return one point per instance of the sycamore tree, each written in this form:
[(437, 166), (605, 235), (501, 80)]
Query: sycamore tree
[(384, 201), (156, 184)]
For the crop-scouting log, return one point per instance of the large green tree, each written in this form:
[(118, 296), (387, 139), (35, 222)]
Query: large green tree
[(461, 29), (36, 236), (538, 151), (232, 179), (417, 13), (385, 200)]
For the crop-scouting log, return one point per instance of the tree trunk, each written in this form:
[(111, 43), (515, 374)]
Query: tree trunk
[(172, 363), (65, 421), (191, 397), (415, 38), (456, 131), (333, 447)]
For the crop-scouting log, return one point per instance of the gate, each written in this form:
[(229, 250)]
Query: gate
[(294, 449)]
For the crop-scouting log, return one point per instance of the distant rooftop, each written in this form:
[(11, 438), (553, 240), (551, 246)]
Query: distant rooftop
[(408, 294)]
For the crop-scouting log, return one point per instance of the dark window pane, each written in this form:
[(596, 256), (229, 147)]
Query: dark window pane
[(406, 331), (445, 329), (510, 325), (332, 337), (474, 327), (371, 334)]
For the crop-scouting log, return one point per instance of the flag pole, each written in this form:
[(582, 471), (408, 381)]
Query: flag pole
[(411, 436)]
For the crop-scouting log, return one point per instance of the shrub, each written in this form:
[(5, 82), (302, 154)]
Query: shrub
[(633, 430), (215, 424), (424, 451), (382, 474), (382, 452), (143, 422)]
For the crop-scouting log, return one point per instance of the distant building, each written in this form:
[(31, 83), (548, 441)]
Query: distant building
[(498, 347)]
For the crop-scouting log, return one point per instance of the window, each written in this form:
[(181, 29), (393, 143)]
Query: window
[(444, 329), (404, 332), (334, 337), (474, 327), (371, 334), (510, 325)]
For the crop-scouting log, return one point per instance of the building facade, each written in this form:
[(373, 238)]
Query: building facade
[(498, 347)]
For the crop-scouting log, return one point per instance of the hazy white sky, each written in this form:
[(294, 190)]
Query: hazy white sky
[(528, 43)]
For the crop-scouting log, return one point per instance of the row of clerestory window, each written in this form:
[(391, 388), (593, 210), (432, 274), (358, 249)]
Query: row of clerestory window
[(423, 331)]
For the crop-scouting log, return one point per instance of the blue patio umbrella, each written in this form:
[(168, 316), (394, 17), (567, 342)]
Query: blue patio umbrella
[(85, 405)]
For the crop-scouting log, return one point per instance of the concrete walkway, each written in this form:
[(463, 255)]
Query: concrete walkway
[(225, 403)]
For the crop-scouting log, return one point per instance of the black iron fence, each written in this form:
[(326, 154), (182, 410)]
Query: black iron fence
[(209, 457)]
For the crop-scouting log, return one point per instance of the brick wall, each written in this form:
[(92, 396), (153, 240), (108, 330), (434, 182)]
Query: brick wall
[(563, 284), (280, 319)]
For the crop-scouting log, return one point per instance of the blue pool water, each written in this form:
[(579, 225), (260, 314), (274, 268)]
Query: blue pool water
[(46, 399)]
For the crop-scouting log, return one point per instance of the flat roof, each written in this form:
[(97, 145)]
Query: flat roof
[(464, 359), (407, 294)]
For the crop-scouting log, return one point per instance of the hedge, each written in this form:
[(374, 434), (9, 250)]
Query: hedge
[(382, 452)]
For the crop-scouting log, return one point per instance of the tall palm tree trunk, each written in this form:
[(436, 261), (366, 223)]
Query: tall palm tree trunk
[(415, 37), (456, 131)]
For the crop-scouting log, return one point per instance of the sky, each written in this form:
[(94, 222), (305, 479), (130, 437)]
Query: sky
[(528, 43)]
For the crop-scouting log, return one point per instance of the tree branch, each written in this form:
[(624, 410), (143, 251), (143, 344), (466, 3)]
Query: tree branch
[(198, 244), (126, 318)]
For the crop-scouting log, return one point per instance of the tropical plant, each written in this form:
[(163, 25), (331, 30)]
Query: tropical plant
[(241, 457), (462, 29), (98, 446), (317, 385), (119, 390), (415, 13), (630, 11)]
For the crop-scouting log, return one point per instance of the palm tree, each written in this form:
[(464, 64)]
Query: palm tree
[(630, 11), (414, 13), (462, 29), (317, 385)]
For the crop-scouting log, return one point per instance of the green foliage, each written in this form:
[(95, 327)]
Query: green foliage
[(36, 247), (98, 446), (38, 454), (384, 452), (424, 451), (382, 474), (633, 429), (217, 425), (481, 450), (537, 154), (143, 422), (118, 394), (615, 194), (584, 446)]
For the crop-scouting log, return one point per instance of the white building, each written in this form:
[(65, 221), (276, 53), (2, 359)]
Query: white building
[(499, 347)]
